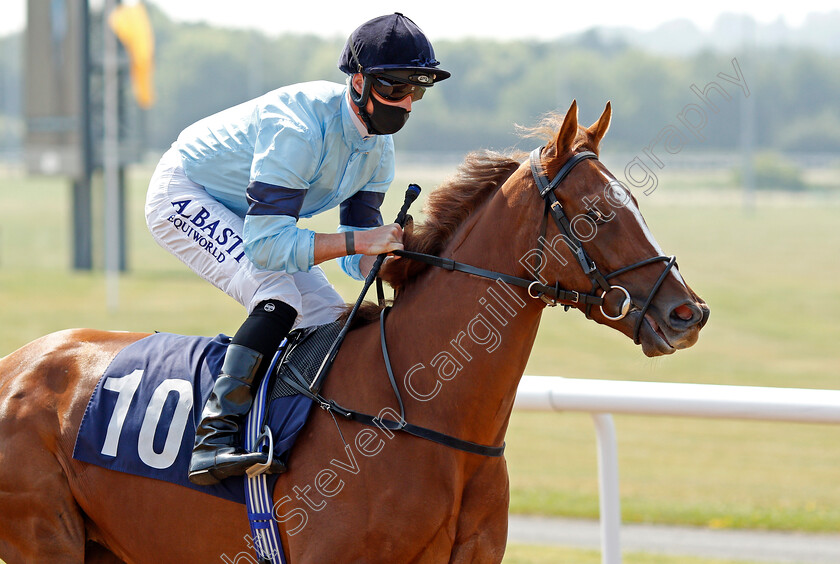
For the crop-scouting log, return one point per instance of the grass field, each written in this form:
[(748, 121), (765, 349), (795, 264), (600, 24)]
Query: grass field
[(524, 554), (769, 276)]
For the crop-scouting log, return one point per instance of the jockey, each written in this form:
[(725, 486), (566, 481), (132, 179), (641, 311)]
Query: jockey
[(225, 199)]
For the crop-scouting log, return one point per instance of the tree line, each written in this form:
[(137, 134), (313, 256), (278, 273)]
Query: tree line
[(497, 84)]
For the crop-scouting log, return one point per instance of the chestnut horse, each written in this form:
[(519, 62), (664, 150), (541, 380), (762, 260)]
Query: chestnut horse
[(458, 344)]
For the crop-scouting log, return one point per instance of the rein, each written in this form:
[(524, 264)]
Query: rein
[(551, 295)]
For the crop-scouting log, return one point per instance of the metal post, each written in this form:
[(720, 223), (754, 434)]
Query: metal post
[(122, 220), (82, 204), (82, 216), (111, 159), (610, 502)]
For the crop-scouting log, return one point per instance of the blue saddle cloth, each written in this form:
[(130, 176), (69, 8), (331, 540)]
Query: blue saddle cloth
[(141, 418)]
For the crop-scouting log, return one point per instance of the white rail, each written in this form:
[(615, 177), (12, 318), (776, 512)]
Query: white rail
[(604, 397)]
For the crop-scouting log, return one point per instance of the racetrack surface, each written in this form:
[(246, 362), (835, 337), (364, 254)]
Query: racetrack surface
[(752, 546)]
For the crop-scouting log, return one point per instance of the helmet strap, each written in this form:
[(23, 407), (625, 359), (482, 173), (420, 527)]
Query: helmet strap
[(361, 99)]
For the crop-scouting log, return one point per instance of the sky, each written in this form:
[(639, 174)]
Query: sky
[(447, 19)]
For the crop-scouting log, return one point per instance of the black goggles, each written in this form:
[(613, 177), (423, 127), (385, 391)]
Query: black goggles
[(394, 88)]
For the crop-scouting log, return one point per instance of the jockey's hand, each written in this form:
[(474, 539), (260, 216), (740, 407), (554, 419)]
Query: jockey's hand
[(379, 240)]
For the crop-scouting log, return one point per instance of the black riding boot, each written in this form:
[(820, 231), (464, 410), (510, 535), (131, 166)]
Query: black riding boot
[(216, 454)]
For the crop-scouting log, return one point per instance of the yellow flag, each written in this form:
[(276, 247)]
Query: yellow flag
[(130, 23)]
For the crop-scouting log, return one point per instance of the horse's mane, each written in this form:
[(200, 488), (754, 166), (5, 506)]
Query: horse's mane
[(477, 178)]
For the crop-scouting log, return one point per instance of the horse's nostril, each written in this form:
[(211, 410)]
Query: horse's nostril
[(683, 312), (685, 316)]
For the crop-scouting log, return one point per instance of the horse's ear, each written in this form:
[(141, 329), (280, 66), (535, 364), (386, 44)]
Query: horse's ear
[(598, 129), (568, 131)]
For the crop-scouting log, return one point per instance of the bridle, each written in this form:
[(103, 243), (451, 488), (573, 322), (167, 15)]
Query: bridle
[(554, 295), (551, 295)]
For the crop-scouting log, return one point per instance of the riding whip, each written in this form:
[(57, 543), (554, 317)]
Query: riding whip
[(410, 195)]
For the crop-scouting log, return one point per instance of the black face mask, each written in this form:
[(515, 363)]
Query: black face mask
[(385, 119)]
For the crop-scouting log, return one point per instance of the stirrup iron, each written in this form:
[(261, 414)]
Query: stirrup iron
[(258, 469)]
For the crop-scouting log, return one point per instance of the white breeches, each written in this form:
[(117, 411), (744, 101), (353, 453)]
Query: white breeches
[(195, 227)]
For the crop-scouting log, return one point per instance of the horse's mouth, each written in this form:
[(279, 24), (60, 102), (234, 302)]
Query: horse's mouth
[(658, 339), (653, 339)]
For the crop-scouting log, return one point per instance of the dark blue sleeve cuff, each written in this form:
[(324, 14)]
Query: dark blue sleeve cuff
[(268, 199), (362, 209)]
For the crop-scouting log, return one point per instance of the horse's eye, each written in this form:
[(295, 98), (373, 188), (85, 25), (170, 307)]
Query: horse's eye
[(596, 216)]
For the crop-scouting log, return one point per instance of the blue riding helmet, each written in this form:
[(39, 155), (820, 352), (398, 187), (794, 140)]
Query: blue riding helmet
[(392, 43)]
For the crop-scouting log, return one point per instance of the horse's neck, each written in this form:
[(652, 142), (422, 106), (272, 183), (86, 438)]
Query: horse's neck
[(469, 338)]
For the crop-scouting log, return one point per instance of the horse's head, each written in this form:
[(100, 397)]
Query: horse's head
[(630, 284), (594, 250)]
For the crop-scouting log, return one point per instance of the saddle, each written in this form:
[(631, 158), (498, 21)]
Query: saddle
[(301, 357)]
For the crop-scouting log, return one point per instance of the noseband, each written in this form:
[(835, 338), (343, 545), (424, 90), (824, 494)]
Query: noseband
[(554, 295)]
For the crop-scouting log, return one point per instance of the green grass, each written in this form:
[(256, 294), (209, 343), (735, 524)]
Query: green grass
[(529, 554), (712, 473), (769, 276)]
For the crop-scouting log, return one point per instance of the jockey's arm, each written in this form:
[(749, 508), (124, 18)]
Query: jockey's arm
[(370, 243)]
